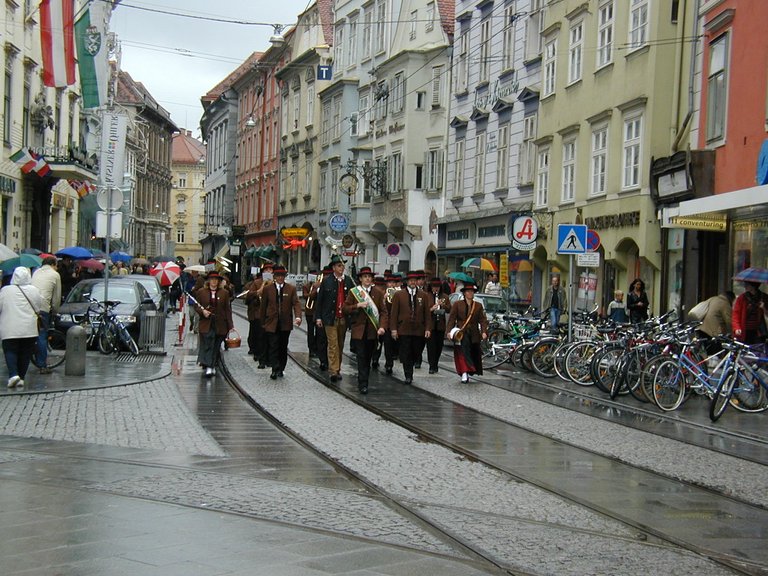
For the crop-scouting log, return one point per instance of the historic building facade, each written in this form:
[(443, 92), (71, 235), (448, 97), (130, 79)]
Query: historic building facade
[(493, 119), (187, 197)]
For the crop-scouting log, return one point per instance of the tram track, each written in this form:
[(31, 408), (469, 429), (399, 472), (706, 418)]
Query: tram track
[(731, 561)]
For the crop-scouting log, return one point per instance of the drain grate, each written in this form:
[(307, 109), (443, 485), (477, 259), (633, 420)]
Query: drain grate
[(144, 358)]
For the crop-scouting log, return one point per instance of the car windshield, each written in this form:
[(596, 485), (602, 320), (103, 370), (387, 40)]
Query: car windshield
[(493, 304), (120, 293)]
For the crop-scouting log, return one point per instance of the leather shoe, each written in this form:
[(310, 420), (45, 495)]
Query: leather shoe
[(363, 388), (273, 376), (334, 378), (409, 381), (338, 376), (262, 366), (433, 370), (323, 367), (280, 374)]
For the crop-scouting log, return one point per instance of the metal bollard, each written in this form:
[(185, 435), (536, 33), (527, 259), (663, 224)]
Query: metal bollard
[(75, 354)]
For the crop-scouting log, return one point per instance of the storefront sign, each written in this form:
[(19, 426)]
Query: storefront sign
[(711, 222), (525, 231), (294, 232), (504, 270), (613, 221)]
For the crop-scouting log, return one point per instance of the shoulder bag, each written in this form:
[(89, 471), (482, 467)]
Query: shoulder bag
[(40, 322)]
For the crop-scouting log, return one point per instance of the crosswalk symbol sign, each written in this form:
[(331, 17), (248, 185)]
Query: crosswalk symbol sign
[(571, 239)]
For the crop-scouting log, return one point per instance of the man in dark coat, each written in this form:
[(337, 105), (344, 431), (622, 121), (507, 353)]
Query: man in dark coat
[(253, 304), (441, 306), (280, 311), (368, 320), (215, 309), (329, 313), (410, 323)]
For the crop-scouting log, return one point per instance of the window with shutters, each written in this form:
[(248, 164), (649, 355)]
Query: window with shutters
[(462, 64), (325, 137), (310, 104), (334, 187), (633, 131), (381, 29), (502, 158), (414, 24), (336, 117), (534, 24), (437, 86), (550, 67), (458, 167), (508, 40), (479, 176), (395, 173), (485, 50), (322, 192), (527, 156), (542, 177), (430, 18), (569, 170), (367, 33), (338, 52), (398, 92), (433, 162), (352, 43), (296, 109), (599, 164), (363, 114)]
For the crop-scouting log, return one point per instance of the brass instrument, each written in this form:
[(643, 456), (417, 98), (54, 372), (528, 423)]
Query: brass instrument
[(390, 293)]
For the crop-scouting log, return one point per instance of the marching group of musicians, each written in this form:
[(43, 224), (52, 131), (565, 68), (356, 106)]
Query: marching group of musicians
[(385, 315)]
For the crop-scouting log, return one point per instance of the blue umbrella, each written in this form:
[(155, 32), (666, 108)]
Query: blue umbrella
[(759, 275), (75, 252), (118, 256), (26, 260)]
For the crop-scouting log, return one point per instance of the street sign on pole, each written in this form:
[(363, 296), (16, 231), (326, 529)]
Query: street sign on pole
[(571, 238)]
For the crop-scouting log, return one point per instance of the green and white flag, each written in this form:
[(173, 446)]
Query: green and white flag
[(93, 53)]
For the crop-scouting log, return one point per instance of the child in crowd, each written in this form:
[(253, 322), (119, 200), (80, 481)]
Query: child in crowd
[(616, 309)]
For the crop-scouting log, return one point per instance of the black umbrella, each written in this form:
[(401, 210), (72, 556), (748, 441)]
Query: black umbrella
[(156, 259)]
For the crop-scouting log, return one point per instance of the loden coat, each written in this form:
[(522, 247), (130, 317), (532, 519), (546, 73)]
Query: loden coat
[(477, 325), (400, 316), (289, 308), (358, 319), (252, 299), (221, 306)]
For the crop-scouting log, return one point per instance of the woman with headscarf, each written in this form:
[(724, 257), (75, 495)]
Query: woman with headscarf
[(467, 326), (20, 302)]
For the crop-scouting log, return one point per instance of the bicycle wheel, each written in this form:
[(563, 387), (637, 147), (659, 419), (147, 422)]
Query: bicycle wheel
[(723, 394), (128, 340), (496, 356), (577, 362), (668, 386), (645, 389), (560, 354), (57, 347), (749, 394), (619, 380), (106, 340), (603, 367), (634, 374), (543, 357)]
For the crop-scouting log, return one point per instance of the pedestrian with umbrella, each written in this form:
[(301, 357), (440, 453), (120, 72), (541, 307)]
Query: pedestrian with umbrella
[(166, 273), (750, 307)]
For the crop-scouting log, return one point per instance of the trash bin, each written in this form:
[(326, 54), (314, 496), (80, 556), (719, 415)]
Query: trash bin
[(152, 331), (75, 353)]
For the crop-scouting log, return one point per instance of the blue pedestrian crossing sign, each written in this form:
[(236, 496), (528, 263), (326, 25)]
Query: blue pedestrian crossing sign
[(571, 238)]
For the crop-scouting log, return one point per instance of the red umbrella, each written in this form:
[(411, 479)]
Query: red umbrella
[(91, 264), (166, 272)]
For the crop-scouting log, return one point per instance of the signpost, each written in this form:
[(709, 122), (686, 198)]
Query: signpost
[(571, 239)]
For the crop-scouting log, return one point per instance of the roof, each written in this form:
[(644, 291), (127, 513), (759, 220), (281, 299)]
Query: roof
[(325, 11), (447, 9), (186, 149), (248, 64), (132, 93)]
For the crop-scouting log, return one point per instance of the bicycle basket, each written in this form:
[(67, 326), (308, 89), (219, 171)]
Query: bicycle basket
[(233, 339)]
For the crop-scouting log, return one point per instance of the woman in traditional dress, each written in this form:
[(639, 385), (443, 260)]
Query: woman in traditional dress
[(467, 326)]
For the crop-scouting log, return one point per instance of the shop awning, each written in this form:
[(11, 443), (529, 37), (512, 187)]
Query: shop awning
[(746, 203)]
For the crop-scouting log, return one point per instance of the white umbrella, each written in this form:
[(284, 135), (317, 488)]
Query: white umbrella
[(6, 253), (195, 268)]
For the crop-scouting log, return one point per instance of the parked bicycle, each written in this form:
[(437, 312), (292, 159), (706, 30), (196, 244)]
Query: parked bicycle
[(105, 329)]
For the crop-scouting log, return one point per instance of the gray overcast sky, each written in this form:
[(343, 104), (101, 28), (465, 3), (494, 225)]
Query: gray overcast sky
[(180, 59)]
